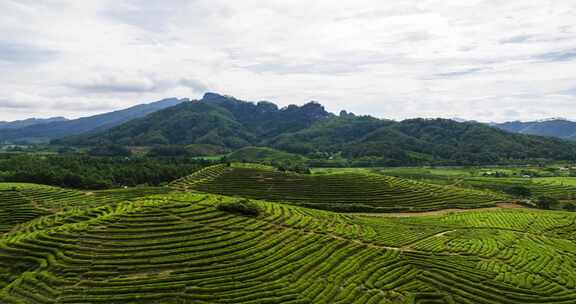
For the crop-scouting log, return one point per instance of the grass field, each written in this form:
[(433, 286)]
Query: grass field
[(352, 191), (179, 248)]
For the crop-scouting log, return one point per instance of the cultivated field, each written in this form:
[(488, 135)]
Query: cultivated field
[(188, 244), (20, 202), (179, 248), (342, 191)]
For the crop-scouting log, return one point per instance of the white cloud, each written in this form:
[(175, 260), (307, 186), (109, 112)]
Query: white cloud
[(475, 59)]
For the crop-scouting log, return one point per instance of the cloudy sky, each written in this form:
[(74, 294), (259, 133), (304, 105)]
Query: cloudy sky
[(489, 60)]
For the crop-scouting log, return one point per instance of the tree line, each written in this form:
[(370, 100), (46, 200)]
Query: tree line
[(96, 172)]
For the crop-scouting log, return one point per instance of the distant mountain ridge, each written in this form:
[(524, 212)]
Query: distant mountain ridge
[(58, 129), (555, 127), (215, 119), (17, 124), (310, 130)]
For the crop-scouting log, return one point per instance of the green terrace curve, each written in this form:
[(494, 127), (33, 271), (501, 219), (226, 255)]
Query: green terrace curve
[(20, 202), (180, 248), (347, 191), (538, 186)]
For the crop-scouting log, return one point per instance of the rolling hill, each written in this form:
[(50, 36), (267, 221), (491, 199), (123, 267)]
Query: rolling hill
[(560, 128), (52, 130), (188, 248), (347, 192), (22, 202), (309, 129)]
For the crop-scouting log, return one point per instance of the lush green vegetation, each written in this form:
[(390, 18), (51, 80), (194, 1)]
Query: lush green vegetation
[(264, 155), (56, 128), (347, 191), (180, 248), (186, 243), (241, 207), (227, 201), (536, 181), (225, 123), (20, 202), (88, 172), (206, 150)]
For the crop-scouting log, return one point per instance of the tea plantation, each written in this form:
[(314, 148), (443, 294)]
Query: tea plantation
[(347, 191), (185, 248), (22, 202), (208, 239)]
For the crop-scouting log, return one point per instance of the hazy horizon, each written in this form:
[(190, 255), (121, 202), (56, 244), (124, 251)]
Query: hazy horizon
[(483, 60)]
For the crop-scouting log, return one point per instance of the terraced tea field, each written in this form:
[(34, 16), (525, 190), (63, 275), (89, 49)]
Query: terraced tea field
[(538, 186), (180, 248), (20, 203), (347, 191), (557, 187)]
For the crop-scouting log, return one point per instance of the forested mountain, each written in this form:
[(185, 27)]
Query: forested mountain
[(17, 124), (560, 128), (58, 129), (310, 130), (215, 119)]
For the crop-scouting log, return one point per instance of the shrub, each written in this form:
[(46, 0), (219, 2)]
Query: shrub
[(241, 207), (569, 207), (518, 191), (545, 202)]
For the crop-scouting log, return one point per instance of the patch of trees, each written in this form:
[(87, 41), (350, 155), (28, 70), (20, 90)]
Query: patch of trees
[(95, 172), (168, 151), (300, 169), (241, 207), (519, 191), (109, 150), (546, 202), (569, 207)]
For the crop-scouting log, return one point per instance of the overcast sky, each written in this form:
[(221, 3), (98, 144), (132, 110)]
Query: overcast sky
[(489, 60)]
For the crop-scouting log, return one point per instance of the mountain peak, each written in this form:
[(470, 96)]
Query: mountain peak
[(314, 109), (211, 96)]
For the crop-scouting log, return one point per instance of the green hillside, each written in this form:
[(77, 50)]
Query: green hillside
[(43, 133), (215, 120), (560, 187), (20, 203), (339, 191), (311, 131), (538, 187), (179, 248), (263, 154)]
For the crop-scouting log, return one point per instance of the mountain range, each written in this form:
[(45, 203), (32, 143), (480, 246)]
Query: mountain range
[(17, 124), (230, 123), (560, 128), (42, 131)]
